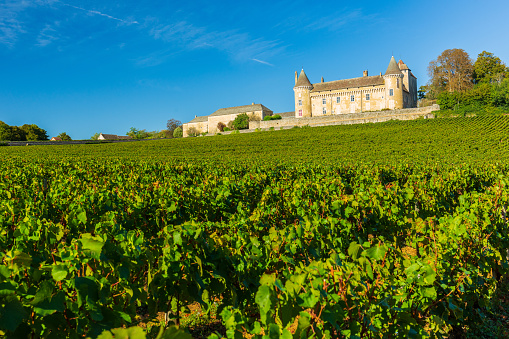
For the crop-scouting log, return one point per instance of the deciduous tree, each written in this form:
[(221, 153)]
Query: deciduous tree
[(34, 132), (451, 71), (171, 125), (489, 68), (64, 136)]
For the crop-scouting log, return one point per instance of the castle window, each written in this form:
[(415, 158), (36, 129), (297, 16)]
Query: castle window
[(391, 92), (300, 102), (338, 100), (324, 101), (352, 97), (397, 83), (367, 96), (324, 110), (300, 112)]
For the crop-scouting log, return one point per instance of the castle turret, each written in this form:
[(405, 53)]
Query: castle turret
[(302, 91), (410, 82), (393, 79)]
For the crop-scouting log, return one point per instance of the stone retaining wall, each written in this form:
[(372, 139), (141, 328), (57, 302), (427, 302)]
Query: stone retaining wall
[(348, 119)]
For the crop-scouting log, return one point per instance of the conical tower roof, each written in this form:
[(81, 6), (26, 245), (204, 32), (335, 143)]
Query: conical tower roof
[(393, 67), (303, 80)]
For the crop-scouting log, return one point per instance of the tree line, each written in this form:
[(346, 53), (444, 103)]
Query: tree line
[(458, 83), (22, 133)]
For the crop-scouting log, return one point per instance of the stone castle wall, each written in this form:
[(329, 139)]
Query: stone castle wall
[(349, 118)]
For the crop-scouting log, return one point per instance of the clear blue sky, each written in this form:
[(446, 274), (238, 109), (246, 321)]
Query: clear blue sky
[(99, 66)]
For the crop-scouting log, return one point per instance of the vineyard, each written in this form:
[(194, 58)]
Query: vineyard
[(389, 230)]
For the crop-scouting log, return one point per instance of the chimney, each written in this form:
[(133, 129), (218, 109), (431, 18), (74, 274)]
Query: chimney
[(365, 73), (296, 77), (380, 73), (252, 103), (195, 116), (322, 80)]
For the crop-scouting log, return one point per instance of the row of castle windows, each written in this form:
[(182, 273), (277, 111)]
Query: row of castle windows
[(352, 98)]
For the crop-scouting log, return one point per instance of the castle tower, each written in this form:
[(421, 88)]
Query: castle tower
[(410, 82), (302, 92), (393, 79)]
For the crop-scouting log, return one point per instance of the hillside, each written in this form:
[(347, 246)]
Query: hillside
[(451, 140), (396, 229)]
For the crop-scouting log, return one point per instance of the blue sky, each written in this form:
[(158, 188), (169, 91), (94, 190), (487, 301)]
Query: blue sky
[(85, 67)]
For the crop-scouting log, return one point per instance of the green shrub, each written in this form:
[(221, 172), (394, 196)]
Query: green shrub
[(177, 132), (272, 117), (241, 121)]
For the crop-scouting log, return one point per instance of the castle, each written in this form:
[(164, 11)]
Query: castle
[(396, 89)]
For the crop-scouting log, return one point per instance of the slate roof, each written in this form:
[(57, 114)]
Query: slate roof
[(393, 67), (349, 83), (286, 114), (239, 109), (199, 119), (303, 80)]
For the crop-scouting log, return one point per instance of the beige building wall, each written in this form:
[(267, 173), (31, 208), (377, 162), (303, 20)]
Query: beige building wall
[(394, 82), (365, 99), (200, 127), (302, 102), (225, 119)]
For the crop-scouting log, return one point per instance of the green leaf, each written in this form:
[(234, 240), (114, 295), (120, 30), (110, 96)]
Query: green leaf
[(92, 245), (353, 250), (177, 238), (12, 315), (377, 252), (51, 305), (82, 217), (309, 299), (175, 333), (429, 292), (273, 331), (124, 333), (44, 292), (264, 300), (7, 288), (59, 272)]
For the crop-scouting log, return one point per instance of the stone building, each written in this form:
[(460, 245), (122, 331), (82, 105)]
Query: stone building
[(208, 123), (396, 89)]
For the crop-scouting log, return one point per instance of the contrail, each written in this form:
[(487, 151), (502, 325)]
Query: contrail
[(99, 13), (262, 62)]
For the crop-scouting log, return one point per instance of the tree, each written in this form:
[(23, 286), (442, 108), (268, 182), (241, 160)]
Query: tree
[(171, 125), (138, 133), (241, 121), (221, 126), (421, 93), (177, 133), (489, 68), (5, 131), (451, 71), (34, 132), (17, 134), (95, 136), (64, 136)]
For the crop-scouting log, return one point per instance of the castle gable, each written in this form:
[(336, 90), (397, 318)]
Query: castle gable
[(348, 83)]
